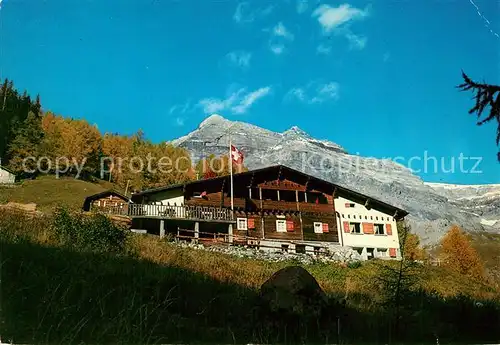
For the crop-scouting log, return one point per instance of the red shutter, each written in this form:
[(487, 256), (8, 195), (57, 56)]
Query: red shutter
[(289, 225), (368, 228), (388, 229), (251, 223), (346, 227), (325, 227), (392, 252)]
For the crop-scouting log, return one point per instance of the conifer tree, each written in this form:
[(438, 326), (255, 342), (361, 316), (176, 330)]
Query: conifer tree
[(485, 95), (26, 144)]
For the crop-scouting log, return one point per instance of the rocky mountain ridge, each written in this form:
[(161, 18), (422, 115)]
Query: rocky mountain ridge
[(432, 207)]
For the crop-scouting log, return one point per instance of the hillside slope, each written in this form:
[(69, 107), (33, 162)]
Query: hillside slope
[(48, 192)]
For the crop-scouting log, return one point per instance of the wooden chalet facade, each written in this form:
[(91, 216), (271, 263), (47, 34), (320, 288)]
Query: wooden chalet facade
[(110, 201), (274, 207)]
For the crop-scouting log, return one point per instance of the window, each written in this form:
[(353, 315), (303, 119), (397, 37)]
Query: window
[(347, 205), (284, 248), (281, 225), (242, 224), (379, 229), (366, 217), (318, 227), (355, 228), (317, 250), (382, 252), (359, 250), (300, 248), (370, 253), (343, 215)]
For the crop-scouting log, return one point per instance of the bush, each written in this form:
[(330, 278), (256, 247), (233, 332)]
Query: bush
[(95, 233), (354, 264)]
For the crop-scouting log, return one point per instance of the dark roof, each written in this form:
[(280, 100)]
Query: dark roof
[(7, 169), (340, 190), (90, 198)]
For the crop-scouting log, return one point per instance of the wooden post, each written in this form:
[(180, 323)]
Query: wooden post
[(301, 225), (305, 196), (297, 199), (162, 228), (260, 197), (230, 232), (278, 192), (250, 192), (196, 231)]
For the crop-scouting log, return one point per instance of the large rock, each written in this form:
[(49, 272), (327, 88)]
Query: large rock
[(293, 292)]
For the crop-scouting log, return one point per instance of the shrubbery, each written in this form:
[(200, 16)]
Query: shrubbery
[(96, 233)]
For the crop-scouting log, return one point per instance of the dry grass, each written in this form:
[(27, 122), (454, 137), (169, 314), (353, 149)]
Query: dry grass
[(48, 192), (159, 292)]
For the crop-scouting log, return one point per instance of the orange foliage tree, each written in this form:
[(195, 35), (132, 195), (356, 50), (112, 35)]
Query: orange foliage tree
[(69, 142), (140, 164), (458, 254), (213, 166)]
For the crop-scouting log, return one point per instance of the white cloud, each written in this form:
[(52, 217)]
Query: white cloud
[(240, 58), (277, 49), (243, 13), (180, 108), (337, 20), (250, 99), (333, 17), (355, 41), (302, 6), (179, 121), (323, 49), (279, 36), (281, 31), (237, 103), (315, 93)]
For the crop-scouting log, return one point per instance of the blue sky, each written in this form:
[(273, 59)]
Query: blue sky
[(376, 77)]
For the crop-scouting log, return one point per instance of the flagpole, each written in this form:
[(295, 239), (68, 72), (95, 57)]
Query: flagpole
[(231, 172)]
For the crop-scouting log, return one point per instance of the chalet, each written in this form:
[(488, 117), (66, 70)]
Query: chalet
[(109, 201), (273, 207), (6, 176)]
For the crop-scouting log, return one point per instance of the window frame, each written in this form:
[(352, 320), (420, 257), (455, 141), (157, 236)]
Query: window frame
[(359, 232), (282, 223), (238, 223), (378, 226), (315, 224)]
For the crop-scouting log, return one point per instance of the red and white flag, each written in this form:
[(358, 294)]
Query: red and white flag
[(236, 155)]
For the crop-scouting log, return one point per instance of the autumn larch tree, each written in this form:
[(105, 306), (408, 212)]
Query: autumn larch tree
[(458, 254), (485, 95)]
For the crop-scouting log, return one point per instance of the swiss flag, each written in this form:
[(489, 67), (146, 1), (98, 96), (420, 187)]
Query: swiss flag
[(236, 155)]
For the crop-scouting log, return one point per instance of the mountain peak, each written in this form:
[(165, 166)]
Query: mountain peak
[(212, 120), (297, 131)]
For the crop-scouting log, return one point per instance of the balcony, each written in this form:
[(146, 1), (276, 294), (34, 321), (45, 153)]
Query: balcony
[(182, 212)]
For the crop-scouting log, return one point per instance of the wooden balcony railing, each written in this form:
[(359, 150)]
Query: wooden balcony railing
[(181, 212)]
